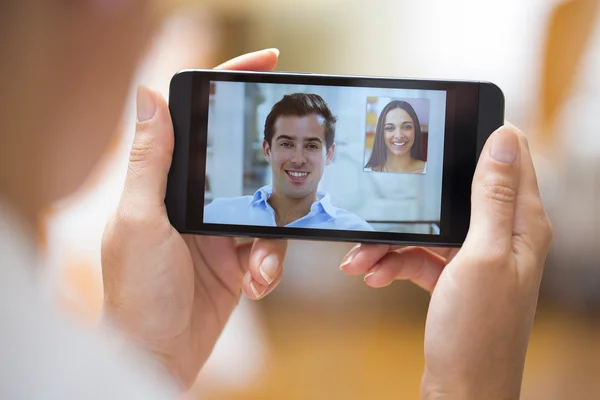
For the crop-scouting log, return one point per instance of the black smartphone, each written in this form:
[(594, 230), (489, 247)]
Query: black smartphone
[(323, 157)]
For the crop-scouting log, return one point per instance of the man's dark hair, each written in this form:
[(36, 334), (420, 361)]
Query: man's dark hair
[(301, 105)]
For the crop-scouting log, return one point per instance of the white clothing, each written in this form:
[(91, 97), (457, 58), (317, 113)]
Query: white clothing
[(44, 354)]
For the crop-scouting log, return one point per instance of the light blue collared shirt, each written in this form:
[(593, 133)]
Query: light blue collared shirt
[(256, 210)]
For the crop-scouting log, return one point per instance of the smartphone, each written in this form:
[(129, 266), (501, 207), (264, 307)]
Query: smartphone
[(324, 157)]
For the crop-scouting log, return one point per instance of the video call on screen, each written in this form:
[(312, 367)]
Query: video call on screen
[(325, 157)]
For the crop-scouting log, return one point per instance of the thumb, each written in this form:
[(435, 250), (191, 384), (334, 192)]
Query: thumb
[(494, 192), (150, 155)]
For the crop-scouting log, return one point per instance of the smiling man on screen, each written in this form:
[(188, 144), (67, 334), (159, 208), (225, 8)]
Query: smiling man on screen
[(298, 144)]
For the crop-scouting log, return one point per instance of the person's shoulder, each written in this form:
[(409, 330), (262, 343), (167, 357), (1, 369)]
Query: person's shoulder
[(227, 209), (240, 201), (348, 220), (230, 201)]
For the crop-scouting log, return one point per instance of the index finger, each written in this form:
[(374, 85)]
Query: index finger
[(362, 257), (263, 60)]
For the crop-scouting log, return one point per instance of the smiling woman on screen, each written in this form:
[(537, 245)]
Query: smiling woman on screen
[(398, 141)]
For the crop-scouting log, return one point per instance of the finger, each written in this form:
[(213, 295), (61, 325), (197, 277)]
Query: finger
[(253, 289), (243, 240), (150, 155), (362, 258), (447, 253), (265, 266), (419, 265), (263, 60), (216, 260), (531, 220), (528, 185), (494, 191)]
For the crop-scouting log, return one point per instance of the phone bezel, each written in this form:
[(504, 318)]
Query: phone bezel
[(472, 106)]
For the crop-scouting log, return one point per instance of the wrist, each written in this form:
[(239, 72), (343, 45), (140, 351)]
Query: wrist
[(155, 365)]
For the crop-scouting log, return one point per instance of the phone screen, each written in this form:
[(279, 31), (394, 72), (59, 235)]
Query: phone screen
[(326, 158)]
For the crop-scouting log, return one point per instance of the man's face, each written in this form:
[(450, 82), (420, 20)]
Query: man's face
[(298, 155)]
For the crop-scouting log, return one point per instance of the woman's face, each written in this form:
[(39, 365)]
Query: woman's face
[(398, 132)]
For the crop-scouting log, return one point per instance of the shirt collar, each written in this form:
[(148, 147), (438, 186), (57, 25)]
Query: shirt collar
[(323, 199)]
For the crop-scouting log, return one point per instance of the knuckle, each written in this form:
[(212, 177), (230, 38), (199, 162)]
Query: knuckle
[(140, 151), (491, 256), (541, 224), (499, 191), (496, 257), (130, 219), (525, 241), (547, 228)]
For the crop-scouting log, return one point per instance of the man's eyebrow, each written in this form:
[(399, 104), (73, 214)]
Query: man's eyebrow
[(285, 137), (309, 139), (313, 139)]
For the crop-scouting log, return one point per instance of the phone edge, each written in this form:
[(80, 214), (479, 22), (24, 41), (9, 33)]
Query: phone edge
[(491, 99), (180, 96)]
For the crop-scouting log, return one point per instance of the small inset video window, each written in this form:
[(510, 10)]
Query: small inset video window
[(397, 133)]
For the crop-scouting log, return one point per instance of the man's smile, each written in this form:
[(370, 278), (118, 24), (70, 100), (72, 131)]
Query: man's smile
[(297, 176)]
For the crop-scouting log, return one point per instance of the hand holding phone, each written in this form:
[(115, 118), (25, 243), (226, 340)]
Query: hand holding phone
[(172, 294), (484, 296), (322, 157)]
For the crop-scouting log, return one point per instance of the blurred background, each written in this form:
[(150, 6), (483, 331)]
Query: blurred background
[(391, 202), (323, 335)]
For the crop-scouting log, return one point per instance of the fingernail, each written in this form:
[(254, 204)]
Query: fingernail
[(256, 293), (268, 268), (257, 289), (275, 50), (372, 272), (505, 146), (350, 256), (146, 105)]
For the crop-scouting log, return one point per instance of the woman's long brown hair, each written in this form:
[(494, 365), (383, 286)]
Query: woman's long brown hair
[(379, 154)]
